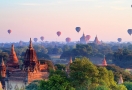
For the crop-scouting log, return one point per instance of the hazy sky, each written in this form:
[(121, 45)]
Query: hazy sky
[(108, 19)]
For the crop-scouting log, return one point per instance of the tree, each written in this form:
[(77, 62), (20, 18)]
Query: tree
[(121, 87), (55, 82), (128, 85), (101, 87), (117, 71), (33, 86), (83, 73)]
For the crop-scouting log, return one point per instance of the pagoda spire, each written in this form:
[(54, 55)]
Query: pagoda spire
[(30, 45), (13, 60), (12, 48), (2, 62), (104, 63)]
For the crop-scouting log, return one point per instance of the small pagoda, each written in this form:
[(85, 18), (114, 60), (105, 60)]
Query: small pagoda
[(96, 41), (83, 39), (13, 60), (104, 63)]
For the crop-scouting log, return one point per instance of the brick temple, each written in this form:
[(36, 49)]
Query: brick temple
[(32, 69)]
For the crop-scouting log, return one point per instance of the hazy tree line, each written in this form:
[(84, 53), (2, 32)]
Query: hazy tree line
[(118, 54)]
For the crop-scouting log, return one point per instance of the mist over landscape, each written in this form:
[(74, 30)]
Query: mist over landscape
[(65, 45)]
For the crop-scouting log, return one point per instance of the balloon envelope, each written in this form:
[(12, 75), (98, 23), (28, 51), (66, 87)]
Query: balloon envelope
[(78, 29), (119, 39), (9, 31), (129, 31), (35, 39), (88, 37), (58, 33), (68, 39), (42, 38)]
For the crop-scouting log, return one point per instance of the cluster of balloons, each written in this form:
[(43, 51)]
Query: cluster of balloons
[(68, 39)]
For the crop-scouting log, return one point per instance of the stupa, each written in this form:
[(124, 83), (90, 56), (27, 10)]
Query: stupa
[(96, 41), (13, 60), (104, 63)]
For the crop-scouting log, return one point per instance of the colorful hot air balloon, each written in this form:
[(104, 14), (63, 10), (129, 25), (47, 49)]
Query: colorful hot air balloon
[(9, 31), (42, 38), (35, 39), (78, 29), (68, 39), (119, 39), (129, 31), (58, 33), (88, 37)]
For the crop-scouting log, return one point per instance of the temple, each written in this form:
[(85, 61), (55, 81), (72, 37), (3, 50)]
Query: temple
[(96, 41), (83, 39), (31, 69)]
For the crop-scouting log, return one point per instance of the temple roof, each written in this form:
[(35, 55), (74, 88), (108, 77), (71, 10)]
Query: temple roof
[(13, 57), (30, 54), (96, 41), (83, 39)]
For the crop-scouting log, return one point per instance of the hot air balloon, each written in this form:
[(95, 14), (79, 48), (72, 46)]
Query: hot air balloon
[(42, 38), (119, 39), (78, 29), (68, 39), (35, 39), (9, 31), (129, 31), (58, 33), (88, 37)]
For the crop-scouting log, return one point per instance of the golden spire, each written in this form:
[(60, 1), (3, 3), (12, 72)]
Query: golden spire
[(30, 45)]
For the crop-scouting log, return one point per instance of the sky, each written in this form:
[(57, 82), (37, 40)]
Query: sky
[(108, 19)]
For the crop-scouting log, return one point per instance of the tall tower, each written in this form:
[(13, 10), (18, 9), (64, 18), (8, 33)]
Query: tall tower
[(104, 63), (13, 60), (96, 41), (30, 59), (2, 73)]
